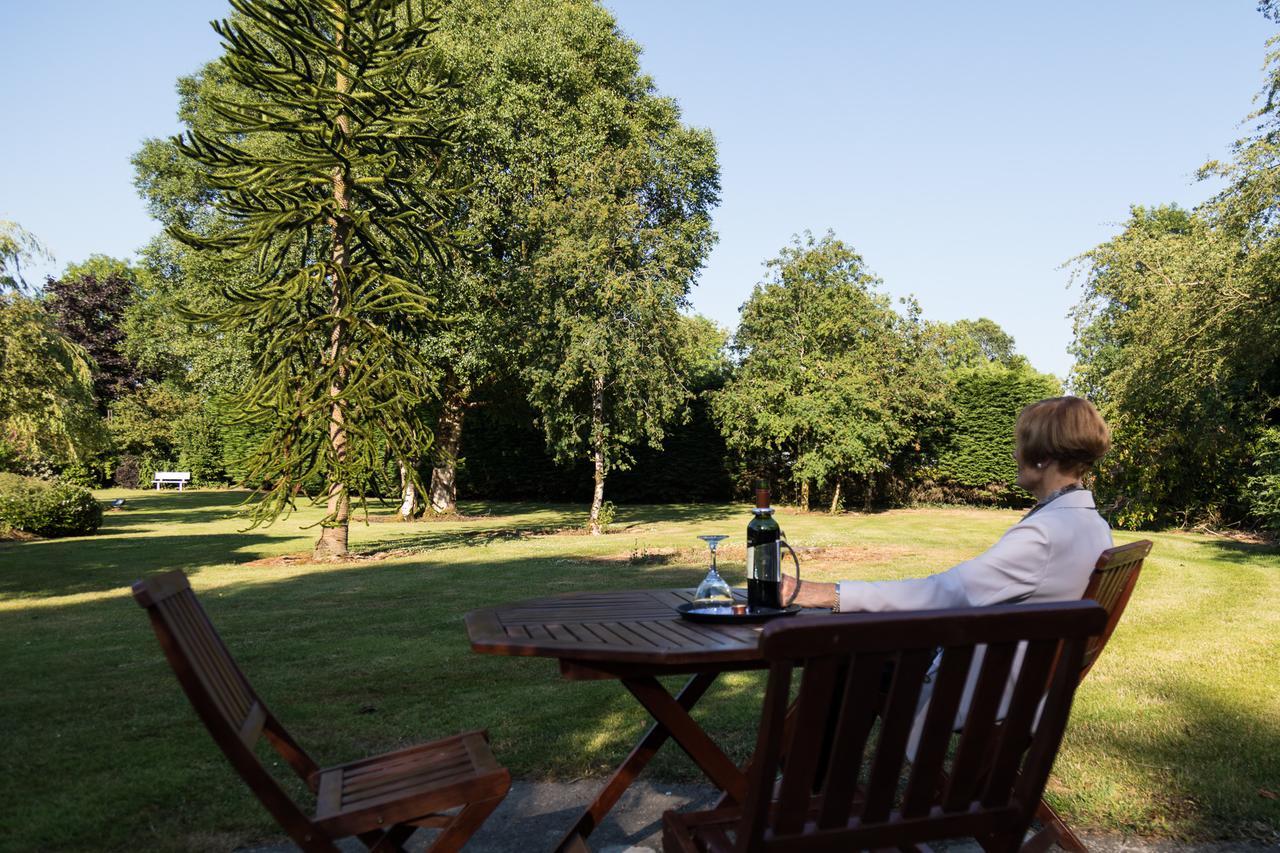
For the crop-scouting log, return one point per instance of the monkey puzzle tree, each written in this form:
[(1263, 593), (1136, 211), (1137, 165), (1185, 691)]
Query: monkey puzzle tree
[(320, 166)]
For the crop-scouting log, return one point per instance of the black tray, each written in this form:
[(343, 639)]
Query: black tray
[(725, 615)]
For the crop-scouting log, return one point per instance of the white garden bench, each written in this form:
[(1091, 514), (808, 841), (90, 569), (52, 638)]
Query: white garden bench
[(180, 478)]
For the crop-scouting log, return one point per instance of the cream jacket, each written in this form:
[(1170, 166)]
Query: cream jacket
[(1048, 556)]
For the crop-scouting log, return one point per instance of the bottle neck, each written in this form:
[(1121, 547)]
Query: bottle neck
[(762, 511)]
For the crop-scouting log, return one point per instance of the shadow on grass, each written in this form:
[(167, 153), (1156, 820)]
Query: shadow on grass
[(151, 508), (1213, 775), (97, 564), (1242, 552)]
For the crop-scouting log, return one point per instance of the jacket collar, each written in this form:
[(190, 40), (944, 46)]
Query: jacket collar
[(1077, 499)]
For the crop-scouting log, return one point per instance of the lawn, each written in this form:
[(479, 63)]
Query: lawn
[(1175, 733)]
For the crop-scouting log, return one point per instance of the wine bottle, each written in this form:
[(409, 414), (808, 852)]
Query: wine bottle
[(764, 554)]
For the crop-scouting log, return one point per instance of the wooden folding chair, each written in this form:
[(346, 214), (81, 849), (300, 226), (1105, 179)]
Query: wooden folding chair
[(988, 790), (1110, 585), (382, 800)]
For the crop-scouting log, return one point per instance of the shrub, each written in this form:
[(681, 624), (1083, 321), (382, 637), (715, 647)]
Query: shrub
[(47, 509), (1262, 491), (128, 472)]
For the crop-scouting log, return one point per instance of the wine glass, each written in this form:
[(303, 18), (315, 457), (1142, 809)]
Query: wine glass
[(713, 591)]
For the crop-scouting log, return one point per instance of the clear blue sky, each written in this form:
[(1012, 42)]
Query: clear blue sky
[(966, 150)]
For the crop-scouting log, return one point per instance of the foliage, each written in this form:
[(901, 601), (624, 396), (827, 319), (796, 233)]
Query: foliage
[(89, 303), (47, 414), (976, 453), (1176, 341), (620, 249), (18, 246), (1262, 490), (973, 343), (320, 159), (47, 509), (830, 377)]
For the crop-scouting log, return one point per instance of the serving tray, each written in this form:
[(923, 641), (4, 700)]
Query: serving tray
[(725, 615)]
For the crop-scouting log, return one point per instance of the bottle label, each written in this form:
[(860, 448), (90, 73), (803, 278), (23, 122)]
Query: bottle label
[(751, 562)]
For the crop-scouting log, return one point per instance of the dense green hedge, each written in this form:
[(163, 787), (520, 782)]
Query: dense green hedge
[(46, 509), (978, 454)]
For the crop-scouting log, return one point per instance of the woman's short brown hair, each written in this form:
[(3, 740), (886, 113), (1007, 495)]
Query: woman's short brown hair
[(1066, 430)]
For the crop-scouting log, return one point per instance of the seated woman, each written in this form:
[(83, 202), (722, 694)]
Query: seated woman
[(1047, 556)]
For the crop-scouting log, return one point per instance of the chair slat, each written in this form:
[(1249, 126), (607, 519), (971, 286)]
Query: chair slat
[(931, 753), (1015, 731), (853, 728), (980, 721), (899, 719), (813, 706)]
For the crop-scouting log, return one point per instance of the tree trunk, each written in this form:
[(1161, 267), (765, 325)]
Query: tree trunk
[(444, 471), (597, 442), (804, 495), (333, 533), (835, 499), (409, 501)]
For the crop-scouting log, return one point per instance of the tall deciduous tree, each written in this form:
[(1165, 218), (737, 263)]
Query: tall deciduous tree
[(47, 415), (830, 374), (90, 301), (322, 177), (621, 248)]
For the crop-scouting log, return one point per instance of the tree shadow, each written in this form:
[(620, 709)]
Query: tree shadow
[(1242, 552), (1236, 751), (95, 564), (150, 508)]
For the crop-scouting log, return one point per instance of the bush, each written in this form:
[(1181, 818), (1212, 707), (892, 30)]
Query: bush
[(47, 509), (1262, 491), (128, 472)]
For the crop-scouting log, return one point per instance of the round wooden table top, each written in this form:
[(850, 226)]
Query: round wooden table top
[(623, 626)]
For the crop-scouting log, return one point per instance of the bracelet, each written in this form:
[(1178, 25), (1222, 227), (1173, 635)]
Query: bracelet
[(836, 608)]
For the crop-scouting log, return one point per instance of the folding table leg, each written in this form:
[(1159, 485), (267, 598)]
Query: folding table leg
[(696, 743), (629, 769)]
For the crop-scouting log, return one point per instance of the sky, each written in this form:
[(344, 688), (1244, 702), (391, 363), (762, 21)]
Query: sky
[(966, 150)]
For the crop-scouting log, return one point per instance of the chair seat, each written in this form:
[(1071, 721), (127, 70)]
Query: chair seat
[(408, 785)]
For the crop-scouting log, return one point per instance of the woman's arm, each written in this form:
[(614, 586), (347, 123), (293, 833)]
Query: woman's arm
[(812, 593)]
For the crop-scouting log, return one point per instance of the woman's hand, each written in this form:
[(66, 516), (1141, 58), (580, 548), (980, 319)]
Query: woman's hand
[(811, 594)]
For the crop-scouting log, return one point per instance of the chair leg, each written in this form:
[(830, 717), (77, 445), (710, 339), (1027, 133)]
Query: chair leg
[(1055, 831), (464, 825)]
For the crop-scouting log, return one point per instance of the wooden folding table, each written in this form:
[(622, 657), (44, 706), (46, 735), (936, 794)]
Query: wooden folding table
[(635, 636)]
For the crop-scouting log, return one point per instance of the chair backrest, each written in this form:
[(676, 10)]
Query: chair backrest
[(992, 784), (1110, 585), (221, 695)]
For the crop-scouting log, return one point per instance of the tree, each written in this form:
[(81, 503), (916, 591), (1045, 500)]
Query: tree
[(322, 177), (18, 246), (47, 414), (546, 87), (974, 343), (620, 251), (832, 383), (975, 456), (89, 303)]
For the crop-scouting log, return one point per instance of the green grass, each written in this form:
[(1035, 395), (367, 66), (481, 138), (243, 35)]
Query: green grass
[(1176, 732)]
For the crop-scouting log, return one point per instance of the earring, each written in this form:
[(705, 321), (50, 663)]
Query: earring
[(1039, 464)]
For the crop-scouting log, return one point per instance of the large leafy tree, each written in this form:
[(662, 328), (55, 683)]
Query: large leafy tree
[(831, 378), (620, 251), (47, 414), (551, 106), (89, 302), (319, 163)]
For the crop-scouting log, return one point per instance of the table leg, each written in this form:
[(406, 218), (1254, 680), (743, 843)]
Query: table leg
[(641, 755)]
